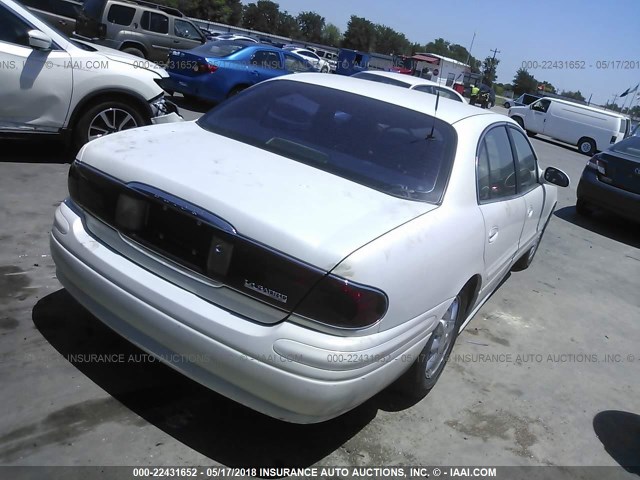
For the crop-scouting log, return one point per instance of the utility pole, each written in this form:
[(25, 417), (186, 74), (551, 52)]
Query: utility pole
[(495, 51), (492, 67), (469, 51)]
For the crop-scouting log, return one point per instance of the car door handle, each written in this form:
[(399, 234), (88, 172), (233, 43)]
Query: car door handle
[(493, 234)]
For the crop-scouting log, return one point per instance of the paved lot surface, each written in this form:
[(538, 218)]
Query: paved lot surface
[(529, 382)]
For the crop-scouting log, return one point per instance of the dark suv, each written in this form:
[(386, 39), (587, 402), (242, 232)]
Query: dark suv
[(137, 27)]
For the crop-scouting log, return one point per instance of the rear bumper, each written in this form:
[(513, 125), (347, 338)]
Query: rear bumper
[(614, 199), (285, 370)]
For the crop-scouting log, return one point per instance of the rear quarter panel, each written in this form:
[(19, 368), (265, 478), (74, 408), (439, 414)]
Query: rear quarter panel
[(429, 259)]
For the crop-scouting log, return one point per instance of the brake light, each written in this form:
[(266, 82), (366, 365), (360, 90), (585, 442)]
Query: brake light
[(596, 163), (205, 68), (341, 303)]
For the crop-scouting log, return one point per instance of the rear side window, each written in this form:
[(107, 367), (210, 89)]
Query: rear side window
[(527, 169), (448, 94), (120, 15), (155, 22), (495, 157), (266, 59), (391, 149), (293, 64)]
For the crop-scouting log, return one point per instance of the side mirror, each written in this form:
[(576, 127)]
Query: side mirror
[(557, 177), (39, 40)]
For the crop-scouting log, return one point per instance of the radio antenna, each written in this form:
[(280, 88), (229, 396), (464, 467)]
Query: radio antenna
[(435, 113)]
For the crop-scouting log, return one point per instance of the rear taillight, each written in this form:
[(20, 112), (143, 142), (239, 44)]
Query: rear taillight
[(596, 163), (341, 303), (205, 68)]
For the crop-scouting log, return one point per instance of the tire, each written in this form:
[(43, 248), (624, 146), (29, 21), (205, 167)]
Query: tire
[(525, 260), (324, 70), (531, 134), (582, 208), (426, 370), (105, 118), (587, 146), (506, 105), (134, 51), (519, 121)]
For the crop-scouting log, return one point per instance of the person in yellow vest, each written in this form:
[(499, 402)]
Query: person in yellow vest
[(474, 94)]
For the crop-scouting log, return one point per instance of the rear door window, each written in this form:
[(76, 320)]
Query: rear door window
[(527, 168), (495, 146), (155, 22), (120, 14)]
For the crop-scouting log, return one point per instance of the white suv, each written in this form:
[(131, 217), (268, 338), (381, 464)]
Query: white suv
[(54, 85)]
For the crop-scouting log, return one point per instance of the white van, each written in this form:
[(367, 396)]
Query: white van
[(589, 128)]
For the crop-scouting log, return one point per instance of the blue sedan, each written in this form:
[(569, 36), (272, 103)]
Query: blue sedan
[(220, 69)]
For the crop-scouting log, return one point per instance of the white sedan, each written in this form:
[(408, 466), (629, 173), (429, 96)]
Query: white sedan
[(306, 243), (318, 62), (411, 82)]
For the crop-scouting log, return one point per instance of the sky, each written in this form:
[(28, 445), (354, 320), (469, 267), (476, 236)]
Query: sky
[(594, 33)]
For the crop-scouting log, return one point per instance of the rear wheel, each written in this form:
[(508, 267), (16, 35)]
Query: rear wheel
[(531, 134), (424, 373), (587, 146)]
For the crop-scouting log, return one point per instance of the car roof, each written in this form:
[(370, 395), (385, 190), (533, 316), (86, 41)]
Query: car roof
[(450, 111)]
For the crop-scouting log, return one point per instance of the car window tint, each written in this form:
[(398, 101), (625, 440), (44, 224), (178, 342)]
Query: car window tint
[(527, 170), (155, 22), (13, 29), (266, 59), (293, 64), (502, 175), (484, 182), (185, 30), (448, 94), (120, 15), (381, 79), (425, 89), (386, 147)]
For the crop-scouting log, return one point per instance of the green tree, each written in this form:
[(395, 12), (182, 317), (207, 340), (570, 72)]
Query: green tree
[(360, 34), (288, 26), (575, 95), (489, 70), (331, 35), (311, 25), (439, 46), (262, 16), (388, 41), (524, 82)]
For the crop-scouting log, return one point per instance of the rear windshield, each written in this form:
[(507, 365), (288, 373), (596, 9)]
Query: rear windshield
[(219, 48), (389, 148), (381, 79), (629, 146)]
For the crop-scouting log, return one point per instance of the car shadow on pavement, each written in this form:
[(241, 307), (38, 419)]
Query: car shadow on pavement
[(619, 433), (205, 421), (604, 224), (35, 150), (193, 104), (555, 143)]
